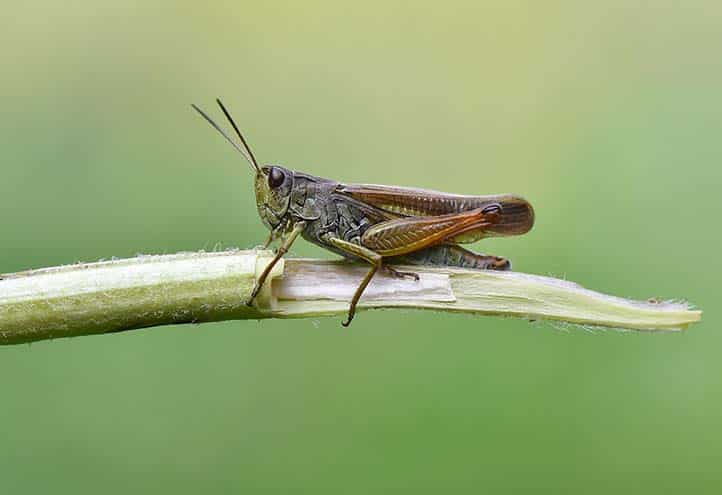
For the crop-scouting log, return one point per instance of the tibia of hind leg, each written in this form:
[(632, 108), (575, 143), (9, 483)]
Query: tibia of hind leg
[(497, 263)]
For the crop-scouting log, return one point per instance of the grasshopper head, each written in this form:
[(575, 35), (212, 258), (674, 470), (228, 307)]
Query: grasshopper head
[(273, 184), (273, 187)]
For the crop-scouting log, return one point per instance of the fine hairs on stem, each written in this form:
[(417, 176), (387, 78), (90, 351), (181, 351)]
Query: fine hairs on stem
[(149, 291)]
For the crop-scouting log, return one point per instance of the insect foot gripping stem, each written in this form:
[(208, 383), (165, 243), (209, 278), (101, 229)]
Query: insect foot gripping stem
[(268, 266), (399, 274)]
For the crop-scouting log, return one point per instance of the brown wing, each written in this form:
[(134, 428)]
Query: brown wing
[(517, 215)]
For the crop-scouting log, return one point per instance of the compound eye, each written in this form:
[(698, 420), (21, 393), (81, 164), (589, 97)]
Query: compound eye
[(275, 177)]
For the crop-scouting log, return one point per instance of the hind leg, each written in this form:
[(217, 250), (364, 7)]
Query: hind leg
[(399, 274), (453, 255)]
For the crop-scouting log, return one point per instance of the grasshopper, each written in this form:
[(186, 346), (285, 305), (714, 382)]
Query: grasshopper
[(380, 225)]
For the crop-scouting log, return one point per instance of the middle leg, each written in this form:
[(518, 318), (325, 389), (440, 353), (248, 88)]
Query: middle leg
[(366, 254)]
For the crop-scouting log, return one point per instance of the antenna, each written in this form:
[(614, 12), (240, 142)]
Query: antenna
[(235, 127), (251, 162)]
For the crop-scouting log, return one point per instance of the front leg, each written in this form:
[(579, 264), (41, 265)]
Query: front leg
[(271, 238), (283, 249), (274, 234)]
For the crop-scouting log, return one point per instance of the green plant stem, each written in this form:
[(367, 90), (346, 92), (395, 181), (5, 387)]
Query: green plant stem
[(149, 291)]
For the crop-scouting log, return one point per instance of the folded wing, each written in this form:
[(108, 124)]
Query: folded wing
[(517, 215)]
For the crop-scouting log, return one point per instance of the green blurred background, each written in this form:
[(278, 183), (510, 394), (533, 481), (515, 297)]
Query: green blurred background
[(605, 115)]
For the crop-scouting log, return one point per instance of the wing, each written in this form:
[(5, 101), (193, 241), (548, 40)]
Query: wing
[(517, 216)]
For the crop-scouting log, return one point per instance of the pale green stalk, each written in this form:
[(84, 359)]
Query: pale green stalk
[(148, 291)]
